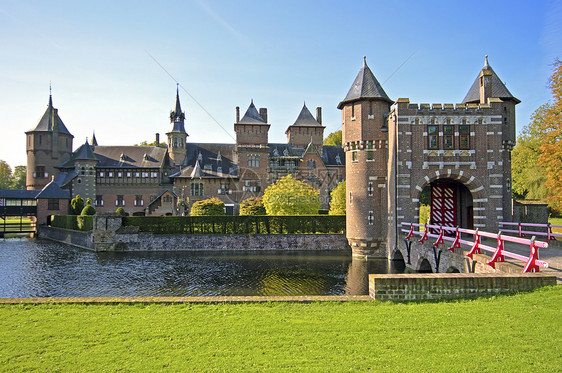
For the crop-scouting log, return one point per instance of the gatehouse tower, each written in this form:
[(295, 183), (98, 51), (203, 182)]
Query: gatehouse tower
[(364, 139)]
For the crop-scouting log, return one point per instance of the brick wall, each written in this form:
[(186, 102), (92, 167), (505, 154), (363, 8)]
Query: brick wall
[(416, 287)]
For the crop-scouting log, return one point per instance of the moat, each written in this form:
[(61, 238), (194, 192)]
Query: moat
[(38, 268)]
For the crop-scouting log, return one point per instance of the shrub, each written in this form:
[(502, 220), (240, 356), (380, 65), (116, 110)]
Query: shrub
[(76, 205), (88, 210), (208, 207), (252, 206), (85, 222), (121, 211)]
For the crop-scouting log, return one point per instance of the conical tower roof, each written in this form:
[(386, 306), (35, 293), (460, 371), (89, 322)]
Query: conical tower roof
[(94, 142), (365, 86), (499, 90), (305, 118), (252, 116), (177, 116), (50, 121), (84, 152)]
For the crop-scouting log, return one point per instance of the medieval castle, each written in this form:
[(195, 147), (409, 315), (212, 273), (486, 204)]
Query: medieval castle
[(392, 151)]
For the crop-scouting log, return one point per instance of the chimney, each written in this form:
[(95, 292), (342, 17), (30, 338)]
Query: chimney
[(157, 139), (319, 115), (263, 114), (237, 114)]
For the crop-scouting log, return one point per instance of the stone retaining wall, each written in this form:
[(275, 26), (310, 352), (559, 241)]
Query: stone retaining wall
[(416, 287), (70, 237)]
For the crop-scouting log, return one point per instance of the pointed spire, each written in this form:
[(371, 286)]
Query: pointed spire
[(365, 86), (498, 89), (196, 173), (50, 96), (94, 141), (177, 116)]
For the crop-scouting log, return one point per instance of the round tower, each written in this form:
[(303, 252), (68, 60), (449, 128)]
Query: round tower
[(177, 137), (47, 145), (364, 139)]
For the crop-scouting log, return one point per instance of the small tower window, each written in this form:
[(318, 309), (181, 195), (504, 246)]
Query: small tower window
[(371, 218), (433, 137), (370, 189)]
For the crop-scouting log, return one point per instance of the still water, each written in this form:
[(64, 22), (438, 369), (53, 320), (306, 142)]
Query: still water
[(38, 268)]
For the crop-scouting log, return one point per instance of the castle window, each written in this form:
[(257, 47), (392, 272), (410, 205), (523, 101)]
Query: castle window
[(99, 200), (352, 111), (433, 137), (354, 156), (370, 189), (144, 174), (138, 200), (119, 174), (154, 175), (110, 174), (40, 172), (101, 174), (119, 201), (137, 174), (196, 189), (219, 169), (371, 218), (448, 135), (350, 198), (52, 204), (370, 107), (253, 160), (464, 137)]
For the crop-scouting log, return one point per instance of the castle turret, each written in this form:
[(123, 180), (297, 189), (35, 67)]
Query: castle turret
[(177, 137), (85, 161), (306, 129), (364, 138), (48, 144)]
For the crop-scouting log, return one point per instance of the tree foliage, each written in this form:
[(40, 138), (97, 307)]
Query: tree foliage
[(291, 197), (154, 143), (121, 211), (207, 207), (337, 201), (334, 138), (252, 206), (18, 177), (537, 158), (77, 205), (5, 175)]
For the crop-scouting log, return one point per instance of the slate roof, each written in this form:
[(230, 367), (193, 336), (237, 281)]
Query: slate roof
[(53, 190), (209, 157), (177, 116), (285, 150), (365, 86), (16, 194), (306, 118), (47, 124), (331, 154), (130, 156), (499, 90), (252, 116), (84, 152)]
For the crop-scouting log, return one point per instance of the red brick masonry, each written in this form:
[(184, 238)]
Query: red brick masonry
[(414, 287)]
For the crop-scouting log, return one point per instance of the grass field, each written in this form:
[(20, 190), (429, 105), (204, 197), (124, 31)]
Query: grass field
[(521, 332), (556, 221)]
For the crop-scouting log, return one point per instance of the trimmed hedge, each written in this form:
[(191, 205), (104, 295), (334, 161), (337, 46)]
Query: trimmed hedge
[(237, 224), (74, 222)]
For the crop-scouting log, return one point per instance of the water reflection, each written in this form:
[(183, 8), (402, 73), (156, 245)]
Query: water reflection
[(36, 268)]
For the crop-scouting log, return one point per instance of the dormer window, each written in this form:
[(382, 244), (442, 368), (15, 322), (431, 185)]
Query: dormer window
[(200, 157), (285, 152), (275, 153), (338, 159)]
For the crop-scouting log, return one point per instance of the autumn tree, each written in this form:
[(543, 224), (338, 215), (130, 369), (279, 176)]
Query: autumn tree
[(333, 138), (291, 197), (337, 201), (537, 158)]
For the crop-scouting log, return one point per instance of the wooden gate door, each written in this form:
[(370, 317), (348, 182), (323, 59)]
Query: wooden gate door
[(443, 205)]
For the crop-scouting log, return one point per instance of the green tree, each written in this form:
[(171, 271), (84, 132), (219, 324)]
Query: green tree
[(337, 201), (291, 197), (146, 143), (18, 177), (252, 206), (76, 205), (208, 207), (5, 175), (334, 138), (537, 158)]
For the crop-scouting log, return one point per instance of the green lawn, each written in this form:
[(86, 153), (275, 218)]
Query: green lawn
[(521, 332), (556, 221)]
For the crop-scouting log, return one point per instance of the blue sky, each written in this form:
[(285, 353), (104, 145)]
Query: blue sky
[(100, 57)]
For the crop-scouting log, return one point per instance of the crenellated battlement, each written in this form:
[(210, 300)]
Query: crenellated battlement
[(448, 109)]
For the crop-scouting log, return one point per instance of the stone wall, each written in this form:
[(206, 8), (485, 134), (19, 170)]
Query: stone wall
[(67, 236), (417, 287)]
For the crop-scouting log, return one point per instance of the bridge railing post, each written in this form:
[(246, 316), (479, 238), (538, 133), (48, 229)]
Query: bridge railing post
[(531, 265), (498, 255), (411, 233), (425, 233), (457, 242), (521, 234), (475, 249)]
